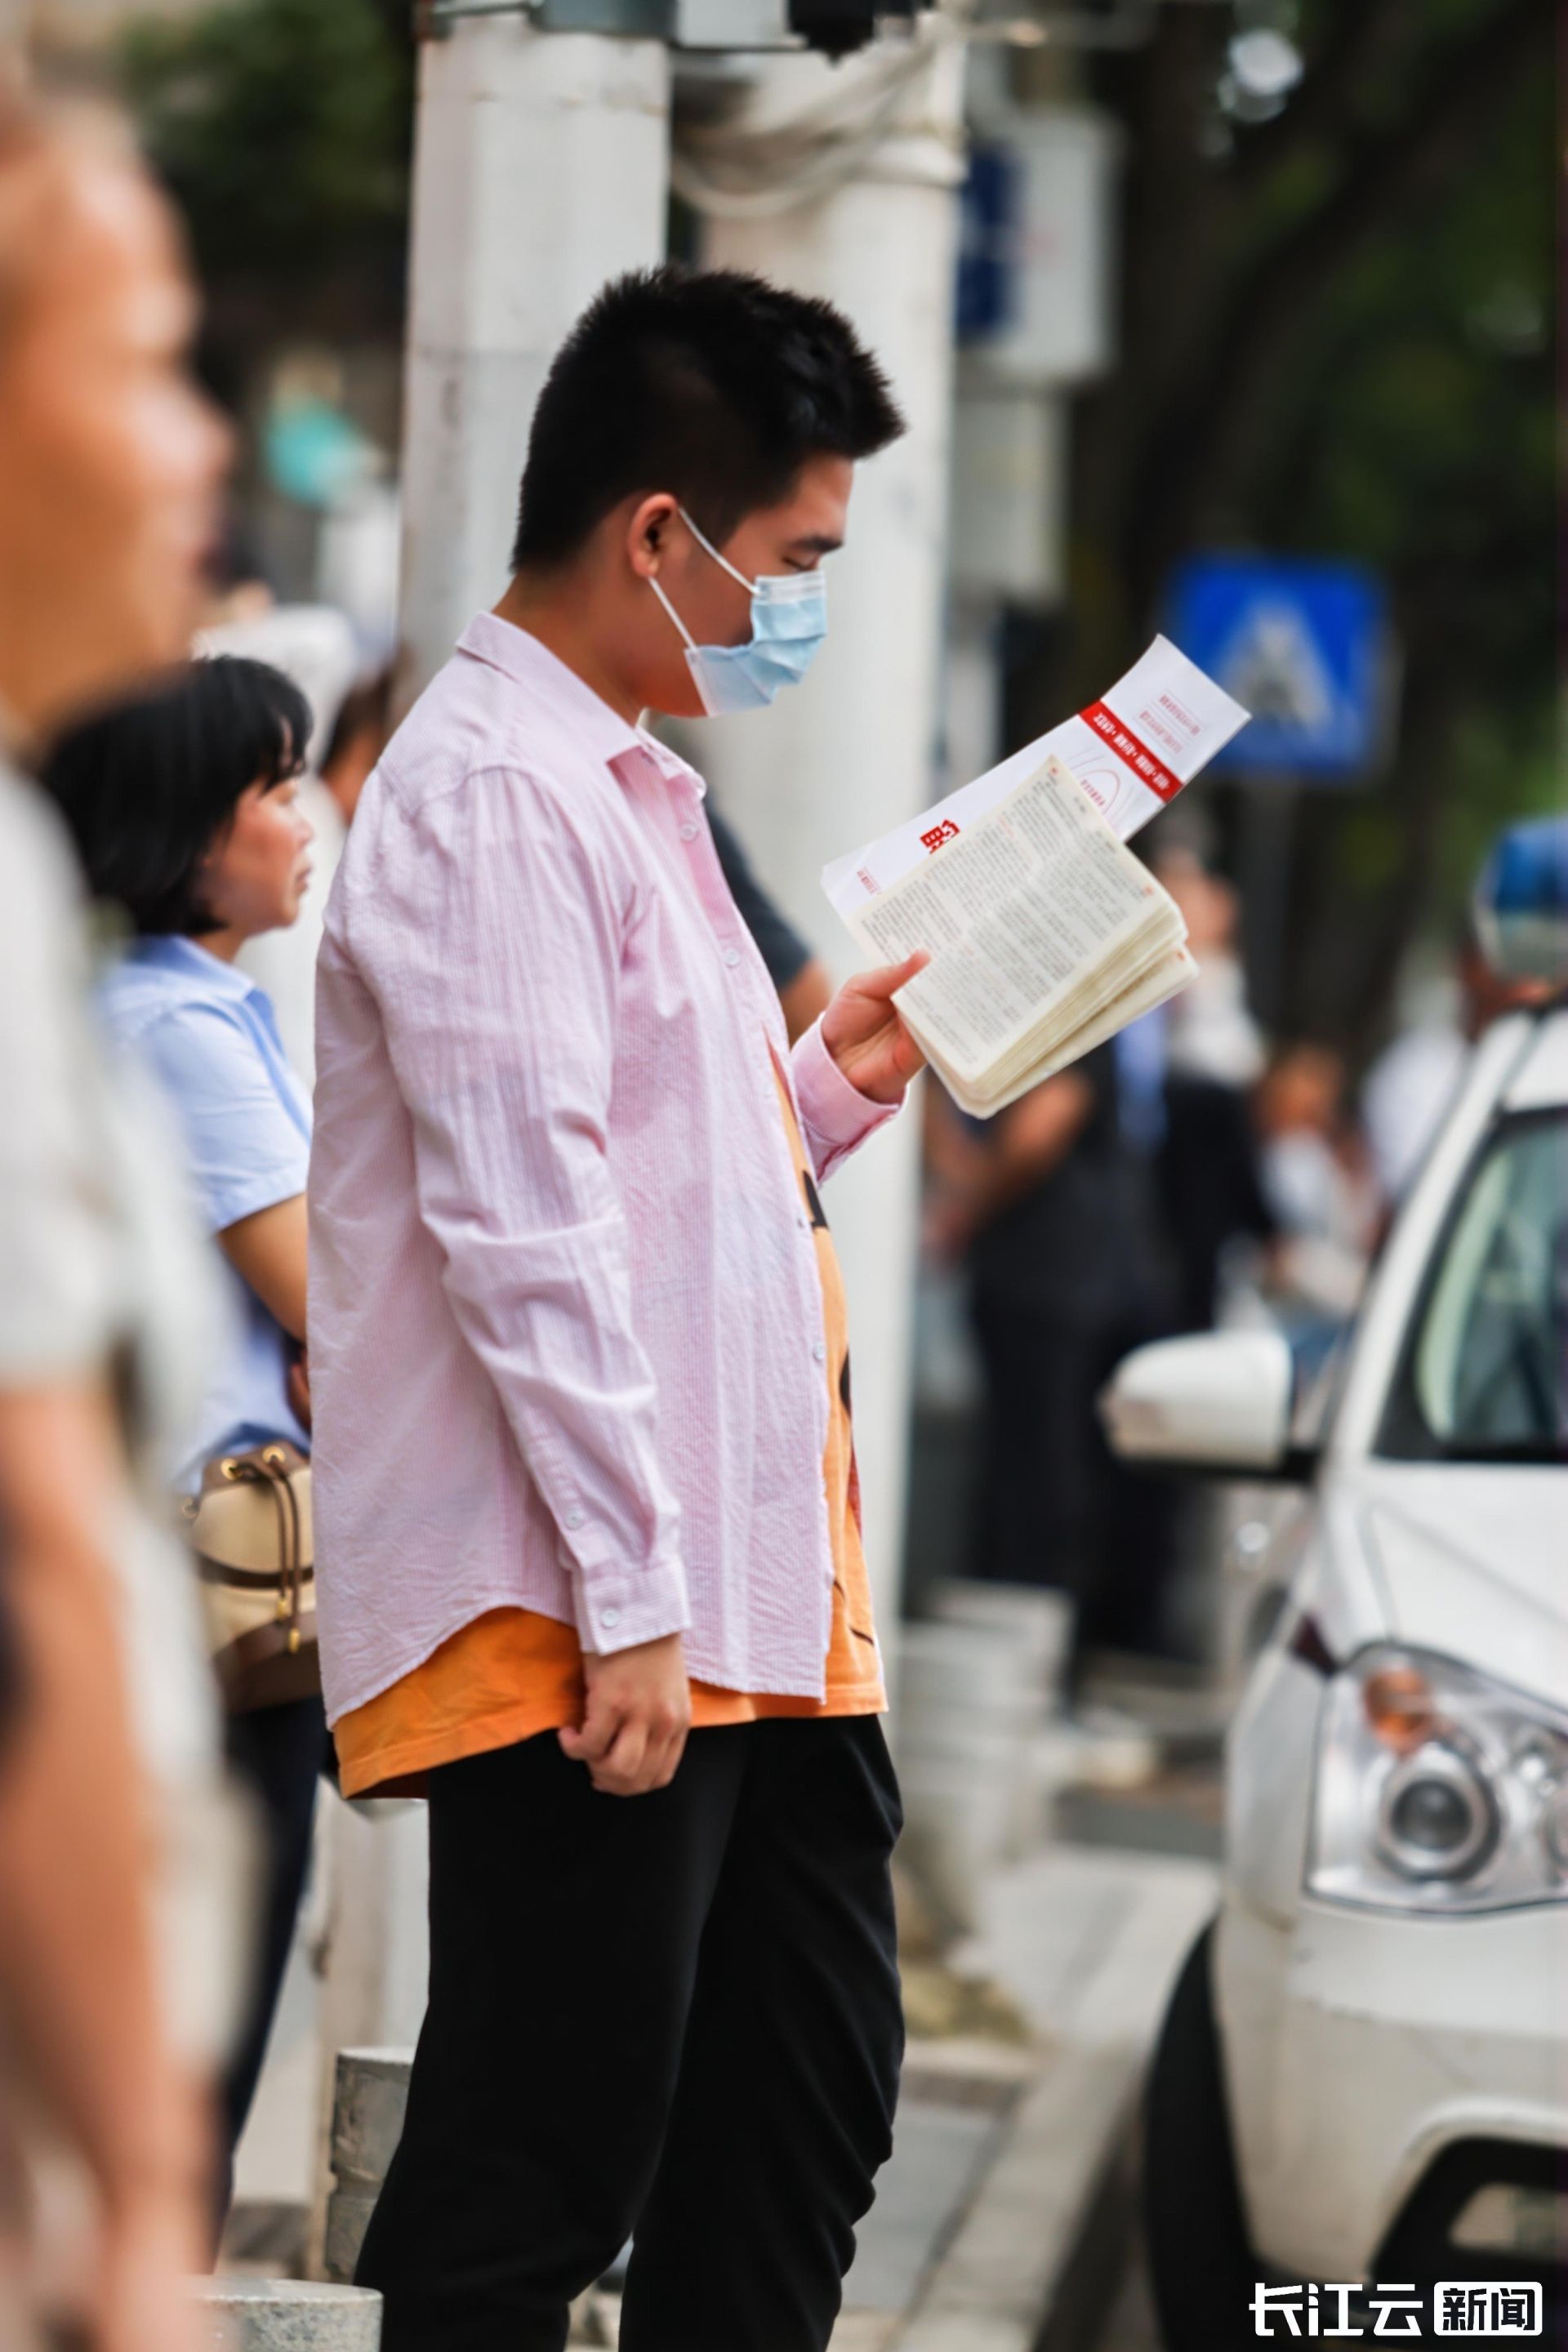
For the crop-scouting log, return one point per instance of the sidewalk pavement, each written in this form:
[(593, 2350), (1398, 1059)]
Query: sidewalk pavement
[(1000, 2222)]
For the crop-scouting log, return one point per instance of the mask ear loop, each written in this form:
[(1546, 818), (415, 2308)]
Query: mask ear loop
[(658, 591), (709, 548), (693, 650)]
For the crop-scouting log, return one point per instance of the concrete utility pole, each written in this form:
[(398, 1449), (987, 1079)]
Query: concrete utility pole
[(853, 750), (540, 169)]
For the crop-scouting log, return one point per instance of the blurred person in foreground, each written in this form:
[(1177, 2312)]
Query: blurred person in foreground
[(183, 805), (590, 1542), (109, 464)]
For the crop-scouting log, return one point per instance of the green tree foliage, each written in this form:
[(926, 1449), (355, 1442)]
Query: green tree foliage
[(283, 128), (1335, 340)]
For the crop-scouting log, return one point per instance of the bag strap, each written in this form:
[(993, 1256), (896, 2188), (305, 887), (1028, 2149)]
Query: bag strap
[(270, 1469)]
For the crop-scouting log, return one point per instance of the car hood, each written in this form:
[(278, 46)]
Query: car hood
[(1473, 1561)]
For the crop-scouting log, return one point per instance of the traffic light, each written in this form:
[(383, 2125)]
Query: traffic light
[(836, 27)]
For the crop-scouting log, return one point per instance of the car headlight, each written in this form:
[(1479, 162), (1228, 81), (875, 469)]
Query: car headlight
[(1437, 1790)]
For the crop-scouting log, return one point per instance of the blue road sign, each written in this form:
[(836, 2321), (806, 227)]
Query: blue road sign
[(1304, 644), (987, 284)]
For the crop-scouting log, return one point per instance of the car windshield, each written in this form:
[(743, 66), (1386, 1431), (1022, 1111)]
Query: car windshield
[(1486, 1376)]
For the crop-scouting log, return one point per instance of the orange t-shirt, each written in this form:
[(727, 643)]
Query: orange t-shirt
[(514, 1673)]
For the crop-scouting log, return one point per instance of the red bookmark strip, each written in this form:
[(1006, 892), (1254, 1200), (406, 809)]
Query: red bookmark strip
[(1133, 754)]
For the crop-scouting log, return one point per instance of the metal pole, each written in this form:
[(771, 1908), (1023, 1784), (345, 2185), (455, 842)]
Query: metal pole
[(852, 750)]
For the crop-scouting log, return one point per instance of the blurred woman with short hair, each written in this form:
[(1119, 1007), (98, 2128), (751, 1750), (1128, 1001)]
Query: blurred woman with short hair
[(183, 803)]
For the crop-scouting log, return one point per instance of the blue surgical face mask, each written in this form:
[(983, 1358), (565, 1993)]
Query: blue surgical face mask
[(789, 621)]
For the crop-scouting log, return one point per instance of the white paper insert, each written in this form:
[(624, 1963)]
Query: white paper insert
[(1131, 753)]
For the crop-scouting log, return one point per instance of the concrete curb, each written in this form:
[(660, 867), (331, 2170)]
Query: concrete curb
[(1087, 1942), (1031, 2265)]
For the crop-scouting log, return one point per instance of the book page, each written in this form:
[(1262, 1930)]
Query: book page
[(1171, 972), (1020, 914)]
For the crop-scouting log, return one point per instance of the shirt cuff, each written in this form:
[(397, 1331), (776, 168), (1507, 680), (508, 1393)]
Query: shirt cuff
[(617, 1608), (837, 1116)]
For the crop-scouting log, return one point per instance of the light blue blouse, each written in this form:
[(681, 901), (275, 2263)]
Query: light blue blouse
[(208, 1035)]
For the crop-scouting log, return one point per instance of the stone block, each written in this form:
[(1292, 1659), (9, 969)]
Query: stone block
[(368, 2101), (369, 2098), (254, 2315), (348, 2219)]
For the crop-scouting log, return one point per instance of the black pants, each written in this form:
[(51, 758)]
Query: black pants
[(1055, 1506), (278, 1752), (679, 2012)]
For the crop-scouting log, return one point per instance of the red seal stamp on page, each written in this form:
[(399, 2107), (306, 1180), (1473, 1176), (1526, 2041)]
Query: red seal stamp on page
[(1102, 786)]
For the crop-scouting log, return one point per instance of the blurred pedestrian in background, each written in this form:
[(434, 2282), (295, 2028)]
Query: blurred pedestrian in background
[(1319, 1183), (1212, 1031), (1094, 1215), (110, 466), (1054, 1203), (1207, 1180), (213, 853), (358, 737), (316, 648)]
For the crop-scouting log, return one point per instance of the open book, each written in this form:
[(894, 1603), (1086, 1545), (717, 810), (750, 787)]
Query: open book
[(1046, 934)]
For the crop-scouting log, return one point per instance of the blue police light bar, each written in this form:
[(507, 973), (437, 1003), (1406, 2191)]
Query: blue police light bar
[(1520, 903)]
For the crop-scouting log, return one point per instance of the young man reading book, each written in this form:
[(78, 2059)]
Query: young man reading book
[(587, 1504)]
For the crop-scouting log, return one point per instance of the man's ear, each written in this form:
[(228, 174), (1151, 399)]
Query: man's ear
[(648, 533)]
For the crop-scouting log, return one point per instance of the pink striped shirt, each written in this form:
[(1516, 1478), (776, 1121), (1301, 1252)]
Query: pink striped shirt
[(567, 1337)]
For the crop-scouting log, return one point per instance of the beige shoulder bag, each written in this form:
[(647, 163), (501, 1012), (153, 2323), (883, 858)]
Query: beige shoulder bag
[(250, 1529)]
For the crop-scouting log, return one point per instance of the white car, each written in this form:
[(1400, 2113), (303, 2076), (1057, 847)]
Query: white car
[(1362, 2077)]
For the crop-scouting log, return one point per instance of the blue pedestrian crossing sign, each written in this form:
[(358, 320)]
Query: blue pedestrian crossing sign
[(1304, 646)]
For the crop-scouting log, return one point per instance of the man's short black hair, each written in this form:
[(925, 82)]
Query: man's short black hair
[(147, 786), (709, 384)]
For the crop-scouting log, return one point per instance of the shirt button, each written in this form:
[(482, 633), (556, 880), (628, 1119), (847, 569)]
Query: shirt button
[(688, 832), (574, 1519), (731, 957), (820, 1353), (609, 1619)]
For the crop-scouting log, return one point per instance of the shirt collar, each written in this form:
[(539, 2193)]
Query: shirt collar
[(188, 960), (602, 732)]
